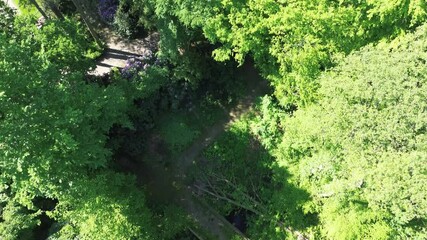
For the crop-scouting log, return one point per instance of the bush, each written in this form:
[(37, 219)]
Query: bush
[(132, 18), (7, 16), (124, 24), (132, 67), (107, 9), (53, 42)]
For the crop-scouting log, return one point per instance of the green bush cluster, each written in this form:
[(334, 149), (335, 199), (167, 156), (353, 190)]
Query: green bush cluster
[(7, 16), (53, 42), (133, 17)]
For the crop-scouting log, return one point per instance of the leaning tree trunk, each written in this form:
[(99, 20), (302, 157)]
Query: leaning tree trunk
[(55, 10), (80, 9), (42, 12)]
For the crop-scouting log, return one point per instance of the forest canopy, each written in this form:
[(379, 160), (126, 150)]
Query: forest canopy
[(278, 119), (360, 151)]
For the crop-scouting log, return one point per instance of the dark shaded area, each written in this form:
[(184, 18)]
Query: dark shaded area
[(287, 201), (103, 80), (42, 231), (45, 204), (121, 52), (67, 7), (185, 235), (417, 223), (218, 82), (238, 219), (241, 170)]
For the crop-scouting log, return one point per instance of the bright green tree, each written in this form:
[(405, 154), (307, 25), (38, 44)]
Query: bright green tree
[(62, 43), (108, 206), (361, 151), (290, 41)]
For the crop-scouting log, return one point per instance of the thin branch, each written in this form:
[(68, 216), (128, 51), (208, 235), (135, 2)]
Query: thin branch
[(228, 200)]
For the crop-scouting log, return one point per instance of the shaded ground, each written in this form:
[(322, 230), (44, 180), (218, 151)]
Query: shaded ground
[(118, 50), (168, 181)]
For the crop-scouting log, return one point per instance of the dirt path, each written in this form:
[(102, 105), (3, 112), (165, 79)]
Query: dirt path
[(207, 217), (256, 87), (172, 184), (118, 50)]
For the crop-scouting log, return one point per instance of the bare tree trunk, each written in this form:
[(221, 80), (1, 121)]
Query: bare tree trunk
[(55, 10), (42, 12), (92, 31)]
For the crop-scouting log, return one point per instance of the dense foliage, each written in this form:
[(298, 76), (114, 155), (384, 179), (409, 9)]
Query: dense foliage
[(52, 139), (291, 41), (336, 151), (6, 18), (361, 151)]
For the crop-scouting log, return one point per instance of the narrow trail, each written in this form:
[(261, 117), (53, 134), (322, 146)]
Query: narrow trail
[(172, 184), (207, 217)]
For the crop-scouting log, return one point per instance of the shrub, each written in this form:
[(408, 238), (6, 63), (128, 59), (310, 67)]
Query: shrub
[(132, 67), (132, 19), (107, 9), (123, 24), (7, 16)]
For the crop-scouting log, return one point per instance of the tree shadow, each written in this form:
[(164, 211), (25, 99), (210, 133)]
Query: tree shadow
[(288, 200), (238, 174), (122, 52)]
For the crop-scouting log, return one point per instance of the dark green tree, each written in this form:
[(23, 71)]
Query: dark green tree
[(53, 133)]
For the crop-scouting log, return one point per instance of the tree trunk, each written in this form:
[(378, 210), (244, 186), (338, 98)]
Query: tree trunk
[(92, 31), (42, 12), (55, 10)]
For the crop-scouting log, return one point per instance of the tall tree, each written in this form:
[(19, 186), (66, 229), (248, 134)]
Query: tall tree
[(53, 133), (290, 41), (360, 151)]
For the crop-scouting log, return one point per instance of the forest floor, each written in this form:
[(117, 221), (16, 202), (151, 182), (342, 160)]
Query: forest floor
[(118, 50), (170, 180)]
